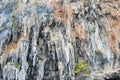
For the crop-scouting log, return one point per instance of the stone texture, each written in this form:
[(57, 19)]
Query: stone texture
[(45, 39)]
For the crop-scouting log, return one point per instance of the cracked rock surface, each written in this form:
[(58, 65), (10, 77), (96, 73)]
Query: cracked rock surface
[(59, 39)]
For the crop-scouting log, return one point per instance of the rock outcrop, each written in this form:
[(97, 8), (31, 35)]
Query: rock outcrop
[(59, 40)]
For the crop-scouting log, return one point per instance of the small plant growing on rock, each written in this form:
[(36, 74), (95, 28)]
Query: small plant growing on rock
[(86, 3), (68, 78), (101, 71), (53, 35), (14, 25), (73, 0), (99, 53), (82, 66), (17, 64), (89, 32)]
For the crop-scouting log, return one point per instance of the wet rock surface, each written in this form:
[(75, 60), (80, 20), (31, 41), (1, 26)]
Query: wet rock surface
[(59, 40)]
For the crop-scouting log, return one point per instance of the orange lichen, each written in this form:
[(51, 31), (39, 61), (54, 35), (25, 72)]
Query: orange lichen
[(52, 3), (18, 8), (79, 31), (112, 39), (116, 23), (60, 13), (115, 32), (14, 46)]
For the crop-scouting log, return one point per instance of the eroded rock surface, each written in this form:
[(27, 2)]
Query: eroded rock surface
[(46, 39)]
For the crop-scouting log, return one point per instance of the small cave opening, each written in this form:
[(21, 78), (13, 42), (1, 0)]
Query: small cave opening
[(115, 78), (119, 45)]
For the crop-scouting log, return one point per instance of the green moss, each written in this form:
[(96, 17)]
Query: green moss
[(53, 35), (89, 32), (101, 71), (59, 43), (14, 26), (88, 71), (72, 0), (99, 53), (68, 78), (82, 66), (17, 64), (86, 3)]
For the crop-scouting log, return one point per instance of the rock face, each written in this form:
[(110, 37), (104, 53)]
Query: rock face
[(59, 40)]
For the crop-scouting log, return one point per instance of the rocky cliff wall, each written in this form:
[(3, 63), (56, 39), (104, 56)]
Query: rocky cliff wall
[(60, 39)]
